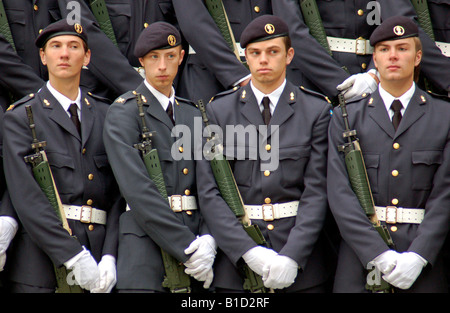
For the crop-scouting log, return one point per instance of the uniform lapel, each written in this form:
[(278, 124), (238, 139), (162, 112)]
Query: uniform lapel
[(414, 111), (284, 110), (57, 113), (250, 108), (377, 111), (154, 107), (87, 118)]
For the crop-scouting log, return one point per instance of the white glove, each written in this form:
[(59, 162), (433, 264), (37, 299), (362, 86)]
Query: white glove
[(409, 265), (108, 277), (200, 263), (386, 261), (280, 272), (85, 270), (8, 229), (358, 84), (257, 257)]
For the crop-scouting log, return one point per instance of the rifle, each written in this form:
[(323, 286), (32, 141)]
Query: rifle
[(230, 193), (359, 181), (175, 279), (100, 12), (44, 177)]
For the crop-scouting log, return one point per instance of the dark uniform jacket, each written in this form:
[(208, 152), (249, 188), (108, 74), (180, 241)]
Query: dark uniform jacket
[(82, 176), (420, 152), (302, 119), (150, 224)]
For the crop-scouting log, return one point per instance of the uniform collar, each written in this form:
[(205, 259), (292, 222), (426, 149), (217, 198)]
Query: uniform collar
[(404, 99), (274, 96), (162, 99), (64, 101)]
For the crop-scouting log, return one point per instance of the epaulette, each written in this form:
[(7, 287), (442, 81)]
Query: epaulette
[(99, 98), (184, 100), (225, 92), (439, 96), (125, 97), (358, 98), (21, 101), (316, 94)]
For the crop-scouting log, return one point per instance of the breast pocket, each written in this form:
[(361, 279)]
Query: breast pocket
[(372, 162), (62, 167), (293, 162), (424, 165), (242, 160), (16, 19)]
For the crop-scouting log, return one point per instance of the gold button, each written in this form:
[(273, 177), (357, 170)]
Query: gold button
[(394, 201), (91, 176), (257, 9), (394, 228), (40, 30), (91, 227), (89, 202), (180, 149), (396, 146), (187, 192), (270, 227), (360, 12), (267, 200), (145, 25), (83, 151), (36, 7), (266, 173), (364, 66), (395, 173), (268, 147), (189, 212)]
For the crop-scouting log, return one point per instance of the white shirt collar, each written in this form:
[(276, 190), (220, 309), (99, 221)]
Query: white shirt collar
[(162, 99), (404, 98), (274, 96), (64, 101)]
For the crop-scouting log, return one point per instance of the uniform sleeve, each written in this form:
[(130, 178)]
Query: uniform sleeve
[(355, 228), (151, 212), (32, 206), (204, 36)]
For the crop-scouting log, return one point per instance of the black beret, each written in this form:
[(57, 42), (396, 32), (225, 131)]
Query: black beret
[(158, 35), (393, 28), (263, 28), (59, 28)]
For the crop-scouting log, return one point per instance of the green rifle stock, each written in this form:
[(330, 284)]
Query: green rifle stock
[(230, 193), (359, 181), (312, 19), (175, 279), (43, 175), (219, 15), (101, 14)]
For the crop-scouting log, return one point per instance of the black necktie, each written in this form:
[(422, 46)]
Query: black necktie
[(170, 112), (74, 116), (396, 106), (266, 110)]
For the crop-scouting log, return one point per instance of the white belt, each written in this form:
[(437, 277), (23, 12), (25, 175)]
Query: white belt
[(392, 214), (180, 203), (445, 47), (359, 46), (270, 212), (85, 214), (238, 45)]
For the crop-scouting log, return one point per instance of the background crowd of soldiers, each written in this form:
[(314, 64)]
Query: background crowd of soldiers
[(210, 66)]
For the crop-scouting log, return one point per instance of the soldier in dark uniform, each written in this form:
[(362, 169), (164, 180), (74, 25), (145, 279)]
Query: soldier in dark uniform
[(83, 178), (151, 222), (107, 76), (295, 188), (407, 156), (348, 25)]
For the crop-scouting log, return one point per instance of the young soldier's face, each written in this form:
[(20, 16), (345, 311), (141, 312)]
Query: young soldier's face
[(267, 61), (161, 67), (65, 56), (396, 59)]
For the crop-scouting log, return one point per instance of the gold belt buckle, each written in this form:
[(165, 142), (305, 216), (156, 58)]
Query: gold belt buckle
[(391, 214), (85, 220), (270, 218), (176, 210)]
